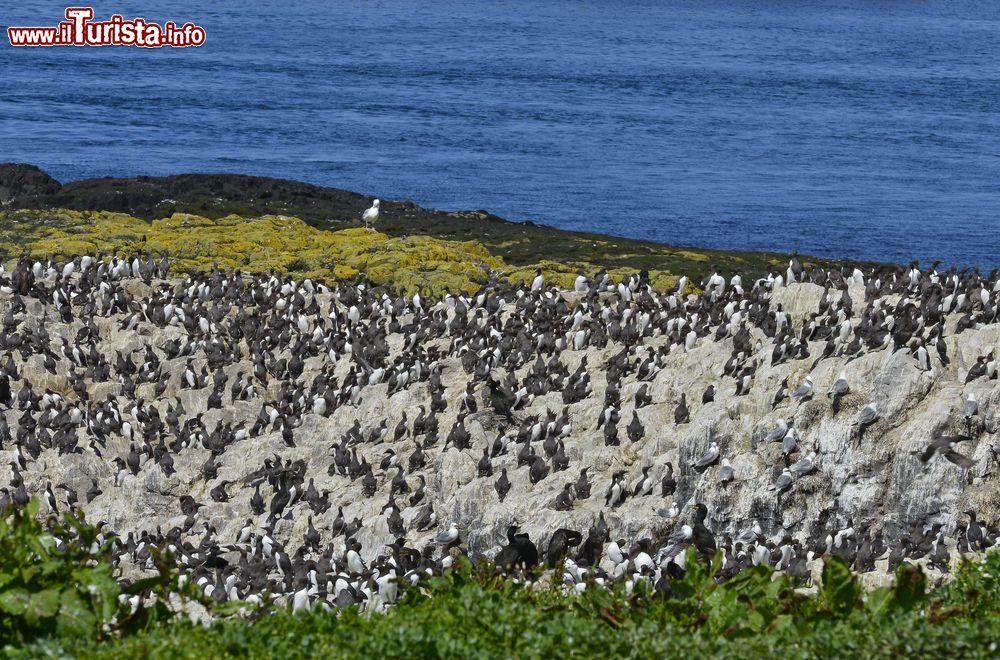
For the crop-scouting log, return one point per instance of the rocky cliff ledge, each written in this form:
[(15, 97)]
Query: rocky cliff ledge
[(767, 419)]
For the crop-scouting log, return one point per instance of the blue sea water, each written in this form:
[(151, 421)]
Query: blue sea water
[(866, 129)]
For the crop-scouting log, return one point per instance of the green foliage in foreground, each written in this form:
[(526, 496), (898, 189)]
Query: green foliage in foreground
[(56, 580), (470, 612)]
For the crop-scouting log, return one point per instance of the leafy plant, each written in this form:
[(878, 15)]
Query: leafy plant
[(51, 581), (472, 611), (56, 579)]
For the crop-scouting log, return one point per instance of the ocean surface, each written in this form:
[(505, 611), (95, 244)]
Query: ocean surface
[(861, 129)]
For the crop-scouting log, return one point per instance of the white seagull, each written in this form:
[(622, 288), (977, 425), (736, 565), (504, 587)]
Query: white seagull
[(450, 535), (370, 215)]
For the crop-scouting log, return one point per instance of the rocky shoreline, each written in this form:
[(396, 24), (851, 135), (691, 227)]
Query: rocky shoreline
[(520, 244)]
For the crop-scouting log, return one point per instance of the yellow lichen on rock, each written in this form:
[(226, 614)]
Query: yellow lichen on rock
[(692, 256), (563, 275), (415, 263), (284, 245)]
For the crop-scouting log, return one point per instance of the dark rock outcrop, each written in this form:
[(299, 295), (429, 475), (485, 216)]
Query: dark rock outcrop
[(23, 181)]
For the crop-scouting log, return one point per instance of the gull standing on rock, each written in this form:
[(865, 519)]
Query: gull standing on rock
[(448, 536), (803, 391), (370, 216), (725, 472), (707, 459), (779, 432), (867, 417), (971, 410), (783, 482), (788, 443), (971, 406), (805, 465), (839, 390)]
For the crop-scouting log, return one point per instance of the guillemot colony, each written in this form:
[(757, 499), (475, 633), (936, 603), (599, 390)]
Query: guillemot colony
[(316, 443)]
